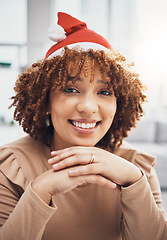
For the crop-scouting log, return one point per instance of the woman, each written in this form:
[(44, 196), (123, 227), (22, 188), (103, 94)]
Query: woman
[(72, 177)]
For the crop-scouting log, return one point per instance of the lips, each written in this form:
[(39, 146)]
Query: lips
[(84, 124)]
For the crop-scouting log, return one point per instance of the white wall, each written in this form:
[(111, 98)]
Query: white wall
[(39, 20)]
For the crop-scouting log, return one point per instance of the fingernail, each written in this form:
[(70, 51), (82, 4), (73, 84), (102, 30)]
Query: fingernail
[(55, 166), (114, 185), (71, 172), (50, 160), (54, 152)]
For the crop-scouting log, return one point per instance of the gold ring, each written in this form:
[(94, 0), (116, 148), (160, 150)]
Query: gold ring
[(92, 159)]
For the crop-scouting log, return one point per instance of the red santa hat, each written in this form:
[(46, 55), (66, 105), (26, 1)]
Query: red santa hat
[(71, 32)]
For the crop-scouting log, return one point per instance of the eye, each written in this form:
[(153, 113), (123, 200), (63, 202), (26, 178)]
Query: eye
[(70, 90), (105, 92)]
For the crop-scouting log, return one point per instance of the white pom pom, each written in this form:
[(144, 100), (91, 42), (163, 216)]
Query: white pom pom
[(56, 33)]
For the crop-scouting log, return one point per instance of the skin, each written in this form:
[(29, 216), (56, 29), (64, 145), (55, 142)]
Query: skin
[(82, 103)]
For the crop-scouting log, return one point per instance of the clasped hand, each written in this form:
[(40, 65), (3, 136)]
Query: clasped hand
[(107, 169), (71, 167)]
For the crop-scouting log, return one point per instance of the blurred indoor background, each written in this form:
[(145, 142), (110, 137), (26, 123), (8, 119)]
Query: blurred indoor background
[(137, 28)]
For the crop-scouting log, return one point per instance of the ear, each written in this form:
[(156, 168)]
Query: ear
[(48, 108)]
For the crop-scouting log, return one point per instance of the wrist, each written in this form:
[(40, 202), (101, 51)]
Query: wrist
[(134, 176), (41, 192)]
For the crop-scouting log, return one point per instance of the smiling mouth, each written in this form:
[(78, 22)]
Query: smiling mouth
[(84, 125)]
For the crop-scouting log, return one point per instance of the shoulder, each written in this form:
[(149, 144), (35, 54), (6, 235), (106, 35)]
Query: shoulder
[(22, 143), (140, 158), (21, 150), (20, 161)]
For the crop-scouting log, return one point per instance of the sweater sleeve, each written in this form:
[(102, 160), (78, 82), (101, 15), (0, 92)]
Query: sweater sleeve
[(142, 205), (28, 218), (23, 215)]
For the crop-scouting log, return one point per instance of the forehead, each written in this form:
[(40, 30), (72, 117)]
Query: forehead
[(72, 69), (88, 69), (80, 79)]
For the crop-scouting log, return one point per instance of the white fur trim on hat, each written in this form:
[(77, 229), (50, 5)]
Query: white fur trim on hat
[(80, 46), (56, 33)]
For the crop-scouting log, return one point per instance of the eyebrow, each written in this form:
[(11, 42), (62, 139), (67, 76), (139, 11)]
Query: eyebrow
[(101, 81), (70, 78)]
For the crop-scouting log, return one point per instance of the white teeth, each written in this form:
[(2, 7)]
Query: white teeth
[(84, 125)]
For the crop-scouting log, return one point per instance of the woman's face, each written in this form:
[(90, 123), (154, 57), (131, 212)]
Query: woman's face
[(83, 112)]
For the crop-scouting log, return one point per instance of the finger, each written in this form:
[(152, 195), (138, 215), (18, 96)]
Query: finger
[(100, 180), (79, 155), (76, 148), (55, 153), (78, 159), (70, 161), (85, 170), (60, 155)]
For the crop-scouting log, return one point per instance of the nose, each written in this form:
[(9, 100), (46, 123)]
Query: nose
[(87, 104)]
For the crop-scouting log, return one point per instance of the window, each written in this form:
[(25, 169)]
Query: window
[(13, 38)]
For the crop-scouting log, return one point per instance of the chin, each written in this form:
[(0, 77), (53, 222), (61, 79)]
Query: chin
[(85, 143)]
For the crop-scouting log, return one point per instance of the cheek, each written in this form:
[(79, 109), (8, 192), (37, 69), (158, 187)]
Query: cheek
[(62, 106), (109, 110)]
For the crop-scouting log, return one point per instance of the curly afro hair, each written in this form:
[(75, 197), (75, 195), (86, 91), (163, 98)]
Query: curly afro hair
[(33, 87)]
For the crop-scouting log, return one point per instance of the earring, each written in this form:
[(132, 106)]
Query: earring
[(47, 120)]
